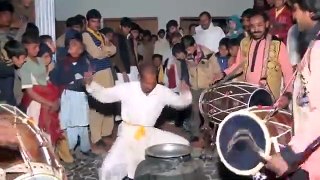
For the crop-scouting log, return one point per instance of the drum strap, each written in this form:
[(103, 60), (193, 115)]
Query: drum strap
[(266, 56)]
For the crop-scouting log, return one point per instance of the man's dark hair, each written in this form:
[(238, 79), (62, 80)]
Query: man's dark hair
[(171, 23), (32, 29), (157, 56), (308, 5), (126, 22), (44, 48), (74, 21), (45, 38), (14, 48), (161, 31), (93, 14), (154, 36), (247, 13), (205, 13), (178, 48), (224, 42), (72, 34), (147, 66), (174, 35), (147, 33), (135, 26), (233, 42), (30, 38), (188, 41), (263, 14), (6, 6), (79, 16), (106, 30)]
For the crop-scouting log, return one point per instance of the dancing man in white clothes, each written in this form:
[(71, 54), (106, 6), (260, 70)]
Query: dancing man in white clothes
[(142, 103)]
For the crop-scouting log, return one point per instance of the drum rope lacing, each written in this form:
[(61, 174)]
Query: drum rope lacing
[(28, 164), (22, 148), (241, 104)]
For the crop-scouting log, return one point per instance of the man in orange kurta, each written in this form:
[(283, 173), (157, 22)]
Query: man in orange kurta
[(263, 59)]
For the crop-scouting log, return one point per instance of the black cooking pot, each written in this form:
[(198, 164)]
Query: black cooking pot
[(169, 162)]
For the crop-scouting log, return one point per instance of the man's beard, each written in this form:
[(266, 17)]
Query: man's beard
[(264, 34), (205, 27)]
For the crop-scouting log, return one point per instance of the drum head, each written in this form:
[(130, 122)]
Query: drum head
[(239, 138), (260, 97)]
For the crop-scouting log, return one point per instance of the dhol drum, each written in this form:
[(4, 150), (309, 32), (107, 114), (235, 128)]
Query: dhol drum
[(169, 162), (216, 102), (246, 137), (35, 159)]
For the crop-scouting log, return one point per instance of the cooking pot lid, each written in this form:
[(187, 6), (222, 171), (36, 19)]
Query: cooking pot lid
[(168, 150)]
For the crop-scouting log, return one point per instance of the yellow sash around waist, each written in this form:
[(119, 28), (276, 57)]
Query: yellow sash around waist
[(140, 132)]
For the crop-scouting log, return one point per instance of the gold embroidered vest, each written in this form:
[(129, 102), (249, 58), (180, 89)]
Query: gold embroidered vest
[(273, 67)]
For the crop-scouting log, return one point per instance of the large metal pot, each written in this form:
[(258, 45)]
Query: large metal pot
[(169, 162)]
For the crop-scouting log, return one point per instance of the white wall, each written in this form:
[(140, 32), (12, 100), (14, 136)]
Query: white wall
[(163, 9)]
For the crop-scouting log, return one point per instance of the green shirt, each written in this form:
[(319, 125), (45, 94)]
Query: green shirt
[(33, 73)]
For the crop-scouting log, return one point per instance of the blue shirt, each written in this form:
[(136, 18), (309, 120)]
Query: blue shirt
[(223, 62)]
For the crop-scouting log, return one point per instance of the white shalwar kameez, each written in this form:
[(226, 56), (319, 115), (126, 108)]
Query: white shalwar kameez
[(137, 132)]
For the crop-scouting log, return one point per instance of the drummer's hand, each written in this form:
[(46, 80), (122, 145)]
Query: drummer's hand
[(283, 102), (263, 83), (217, 77), (8, 135), (277, 164)]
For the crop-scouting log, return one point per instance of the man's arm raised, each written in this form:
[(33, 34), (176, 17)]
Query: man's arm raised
[(104, 95), (179, 101)]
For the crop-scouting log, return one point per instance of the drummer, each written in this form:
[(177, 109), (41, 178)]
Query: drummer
[(307, 15), (263, 59)]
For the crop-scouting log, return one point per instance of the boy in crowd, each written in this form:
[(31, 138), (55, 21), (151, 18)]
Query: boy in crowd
[(12, 57), (33, 73), (68, 74), (157, 61), (223, 54), (233, 47), (41, 98)]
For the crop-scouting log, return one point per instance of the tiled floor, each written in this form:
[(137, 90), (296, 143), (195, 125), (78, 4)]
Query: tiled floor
[(87, 169)]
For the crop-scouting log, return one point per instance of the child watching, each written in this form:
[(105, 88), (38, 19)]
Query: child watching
[(45, 53), (33, 73), (46, 39), (51, 119), (233, 45), (157, 61), (68, 74), (12, 57), (223, 54)]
